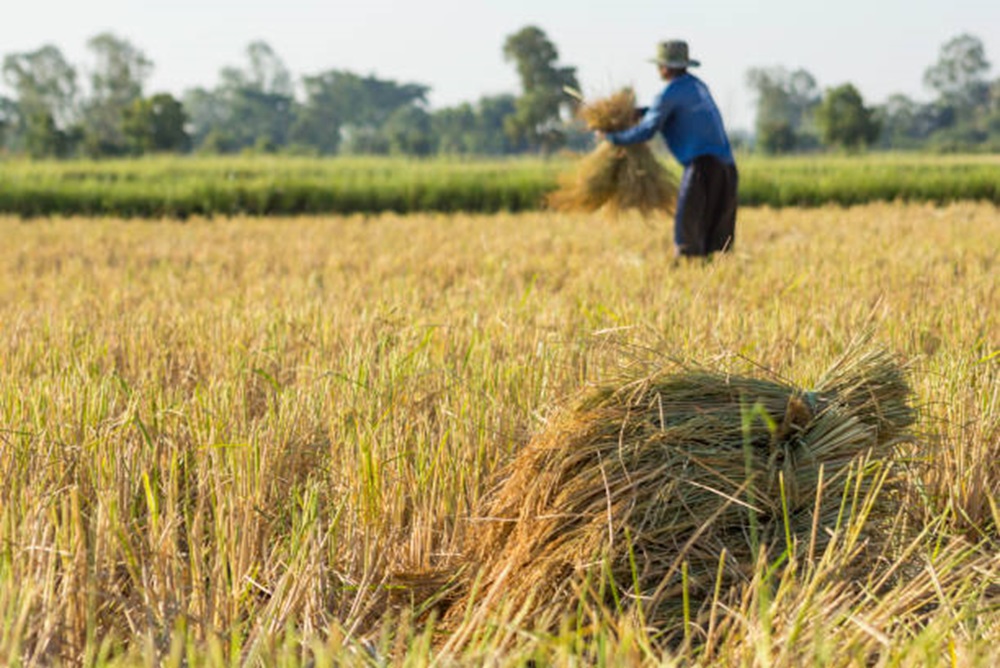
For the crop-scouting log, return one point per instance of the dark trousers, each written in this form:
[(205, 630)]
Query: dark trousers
[(706, 207)]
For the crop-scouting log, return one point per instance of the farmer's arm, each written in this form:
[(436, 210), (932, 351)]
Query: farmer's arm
[(648, 126)]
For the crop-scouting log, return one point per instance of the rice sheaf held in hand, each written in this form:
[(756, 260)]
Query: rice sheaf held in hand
[(615, 178)]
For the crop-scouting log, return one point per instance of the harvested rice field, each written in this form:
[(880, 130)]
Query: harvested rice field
[(511, 439)]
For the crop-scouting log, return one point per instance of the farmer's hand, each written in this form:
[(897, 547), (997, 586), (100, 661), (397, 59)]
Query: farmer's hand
[(599, 135)]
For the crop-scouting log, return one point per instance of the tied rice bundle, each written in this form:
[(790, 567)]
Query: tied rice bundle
[(635, 479), (615, 178)]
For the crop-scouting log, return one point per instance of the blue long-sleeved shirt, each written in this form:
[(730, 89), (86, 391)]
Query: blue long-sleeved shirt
[(687, 117)]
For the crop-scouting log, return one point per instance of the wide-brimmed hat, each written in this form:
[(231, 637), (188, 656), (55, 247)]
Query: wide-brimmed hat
[(674, 53)]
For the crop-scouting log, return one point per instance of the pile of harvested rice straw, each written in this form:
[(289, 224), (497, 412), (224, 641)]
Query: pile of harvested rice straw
[(615, 178), (637, 482)]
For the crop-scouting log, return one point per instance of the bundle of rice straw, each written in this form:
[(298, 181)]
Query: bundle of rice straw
[(623, 487), (612, 177)]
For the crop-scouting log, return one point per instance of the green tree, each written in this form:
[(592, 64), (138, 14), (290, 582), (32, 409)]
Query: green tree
[(907, 124), (537, 122), (345, 110), (785, 103), (960, 71), (259, 118), (993, 115), (42, 119), (365, 140), (117, 80), (844, 120), (208, 121), (43, 138), (322, 115), (8, 119), (252, 107), (898, 120), (265, 72), (475, 129), (492, 113), (959, 77), (44, 82), (776, 136), (409, 132), (260, 108), (454, 129), (156, 124)]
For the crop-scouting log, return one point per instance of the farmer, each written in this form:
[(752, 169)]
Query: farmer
[(687, 117)]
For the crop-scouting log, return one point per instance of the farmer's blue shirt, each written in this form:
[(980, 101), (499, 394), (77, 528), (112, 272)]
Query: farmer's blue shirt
[(687, 117)]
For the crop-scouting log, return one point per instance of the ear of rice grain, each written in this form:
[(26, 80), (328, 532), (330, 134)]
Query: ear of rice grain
[(610, 114), (615, 178)]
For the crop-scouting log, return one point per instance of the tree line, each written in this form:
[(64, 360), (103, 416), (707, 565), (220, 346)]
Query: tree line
[(259, 106), (794, 115)]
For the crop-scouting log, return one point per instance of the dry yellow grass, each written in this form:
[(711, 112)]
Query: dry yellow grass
[(219, 439)]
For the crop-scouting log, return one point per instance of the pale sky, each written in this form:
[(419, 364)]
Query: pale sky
[(455, 46)]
